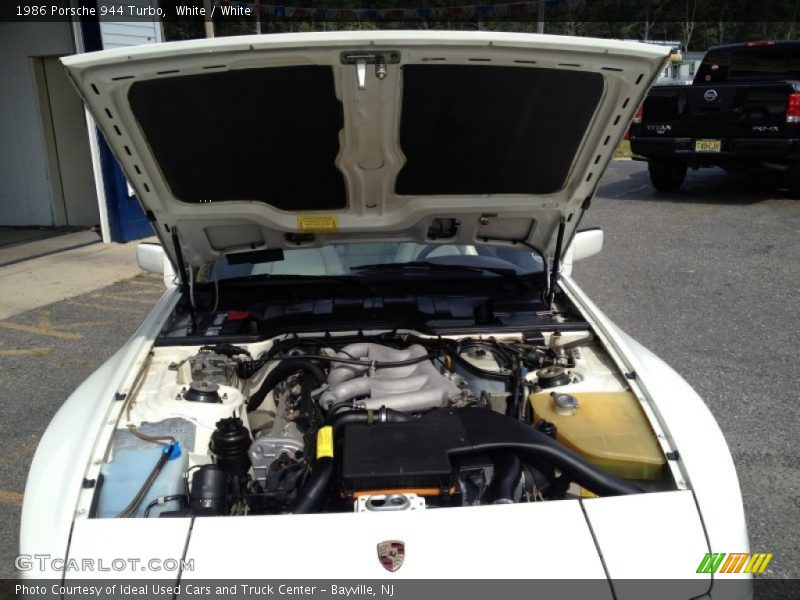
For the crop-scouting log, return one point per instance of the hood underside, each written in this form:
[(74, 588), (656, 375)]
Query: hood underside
[(302, 140)]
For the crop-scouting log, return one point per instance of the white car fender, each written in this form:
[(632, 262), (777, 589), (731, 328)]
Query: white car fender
[(703, 450), (56, 474), (703, 453)]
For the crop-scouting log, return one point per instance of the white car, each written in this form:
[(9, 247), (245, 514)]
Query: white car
[(371, 360)]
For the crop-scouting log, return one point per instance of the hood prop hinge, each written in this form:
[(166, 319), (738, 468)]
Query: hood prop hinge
[(556, 270), (182, 278)]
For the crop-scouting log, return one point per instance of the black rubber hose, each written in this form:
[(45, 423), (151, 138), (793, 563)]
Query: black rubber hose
[(279, 373), (514, 401), (492, 432), (340, 405), (384, 415), (163, 500), (505, 480), (316, 487), (338, 419)]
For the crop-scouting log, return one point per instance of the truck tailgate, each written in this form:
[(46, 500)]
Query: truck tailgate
[(717, 111)]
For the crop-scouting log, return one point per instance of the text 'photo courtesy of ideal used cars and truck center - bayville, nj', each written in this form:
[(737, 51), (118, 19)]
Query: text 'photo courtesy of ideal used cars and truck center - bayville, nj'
[(331, 278)]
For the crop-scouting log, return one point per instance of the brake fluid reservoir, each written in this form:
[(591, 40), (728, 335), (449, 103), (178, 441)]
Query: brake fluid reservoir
[(608, 429)]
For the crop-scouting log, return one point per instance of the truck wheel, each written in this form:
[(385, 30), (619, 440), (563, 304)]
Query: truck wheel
[(666, 175), (794, 186)]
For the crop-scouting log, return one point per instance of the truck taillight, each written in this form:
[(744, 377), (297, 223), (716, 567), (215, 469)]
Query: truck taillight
[(638, 116), (793, 108)]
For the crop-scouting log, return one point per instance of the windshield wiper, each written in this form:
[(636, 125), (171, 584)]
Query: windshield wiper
[(421, 266)]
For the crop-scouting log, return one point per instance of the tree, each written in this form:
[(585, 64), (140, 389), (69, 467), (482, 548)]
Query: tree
[(687, 25)]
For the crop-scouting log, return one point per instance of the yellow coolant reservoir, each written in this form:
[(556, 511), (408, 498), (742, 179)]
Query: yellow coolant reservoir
[(608, 429)]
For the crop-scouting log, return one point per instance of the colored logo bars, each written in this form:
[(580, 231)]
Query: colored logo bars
[(742, 562)]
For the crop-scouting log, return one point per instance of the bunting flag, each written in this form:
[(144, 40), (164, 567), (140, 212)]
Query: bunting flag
[(432, 13)]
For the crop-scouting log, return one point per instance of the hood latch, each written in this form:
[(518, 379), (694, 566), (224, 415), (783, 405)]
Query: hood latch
[(361, 59)]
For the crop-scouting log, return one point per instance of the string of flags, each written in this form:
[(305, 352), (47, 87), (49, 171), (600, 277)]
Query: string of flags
[(469, 12)]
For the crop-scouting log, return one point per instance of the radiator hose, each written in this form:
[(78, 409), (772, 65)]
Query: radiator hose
[(487, 431), (505, 480), (316, 487)]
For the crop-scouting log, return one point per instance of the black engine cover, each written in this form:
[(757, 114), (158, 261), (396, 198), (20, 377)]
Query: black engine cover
[(418, 453), (401, 455)]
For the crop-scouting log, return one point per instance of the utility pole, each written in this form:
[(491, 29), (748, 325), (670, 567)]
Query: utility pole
[(208, 22), (540, 27)]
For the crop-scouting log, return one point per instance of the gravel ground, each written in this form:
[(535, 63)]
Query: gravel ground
[(708, 278)]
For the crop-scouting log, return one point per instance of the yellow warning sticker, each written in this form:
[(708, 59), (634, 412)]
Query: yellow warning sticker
[(325, 442), (317, 223)]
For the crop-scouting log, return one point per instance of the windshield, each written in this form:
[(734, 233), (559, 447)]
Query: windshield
[(755, 62), (351, 259)]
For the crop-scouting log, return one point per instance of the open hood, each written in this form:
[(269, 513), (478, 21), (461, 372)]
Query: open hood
[(300, 140)]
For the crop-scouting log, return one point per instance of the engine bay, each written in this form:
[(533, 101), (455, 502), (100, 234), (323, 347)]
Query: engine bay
[(380, 421)]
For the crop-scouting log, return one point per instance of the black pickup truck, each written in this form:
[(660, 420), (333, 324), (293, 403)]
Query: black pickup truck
[(741, 110)]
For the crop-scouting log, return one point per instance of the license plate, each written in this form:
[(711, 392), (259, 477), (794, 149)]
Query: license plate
[(707, 145)]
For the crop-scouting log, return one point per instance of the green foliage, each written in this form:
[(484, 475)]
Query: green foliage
[(698, 24)]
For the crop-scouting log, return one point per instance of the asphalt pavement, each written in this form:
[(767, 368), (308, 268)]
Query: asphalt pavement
[(708, 278), (45, 354)]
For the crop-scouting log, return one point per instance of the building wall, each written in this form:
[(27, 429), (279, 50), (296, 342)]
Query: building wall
[(120, 35), (117, 34), (125, 220), (26, 184), (46, 176)]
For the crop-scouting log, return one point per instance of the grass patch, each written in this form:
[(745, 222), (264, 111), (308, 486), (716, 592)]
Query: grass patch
[(623, 150)]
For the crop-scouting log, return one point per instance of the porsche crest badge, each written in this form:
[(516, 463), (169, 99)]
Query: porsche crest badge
[(391, 553)]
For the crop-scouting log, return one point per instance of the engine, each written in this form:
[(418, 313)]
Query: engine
[(391, 422)]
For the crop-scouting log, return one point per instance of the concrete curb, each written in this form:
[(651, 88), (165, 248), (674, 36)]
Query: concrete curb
[(37, 282), (51, 245)]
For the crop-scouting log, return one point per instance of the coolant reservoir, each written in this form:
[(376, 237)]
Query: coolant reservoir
[(608, 429)]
